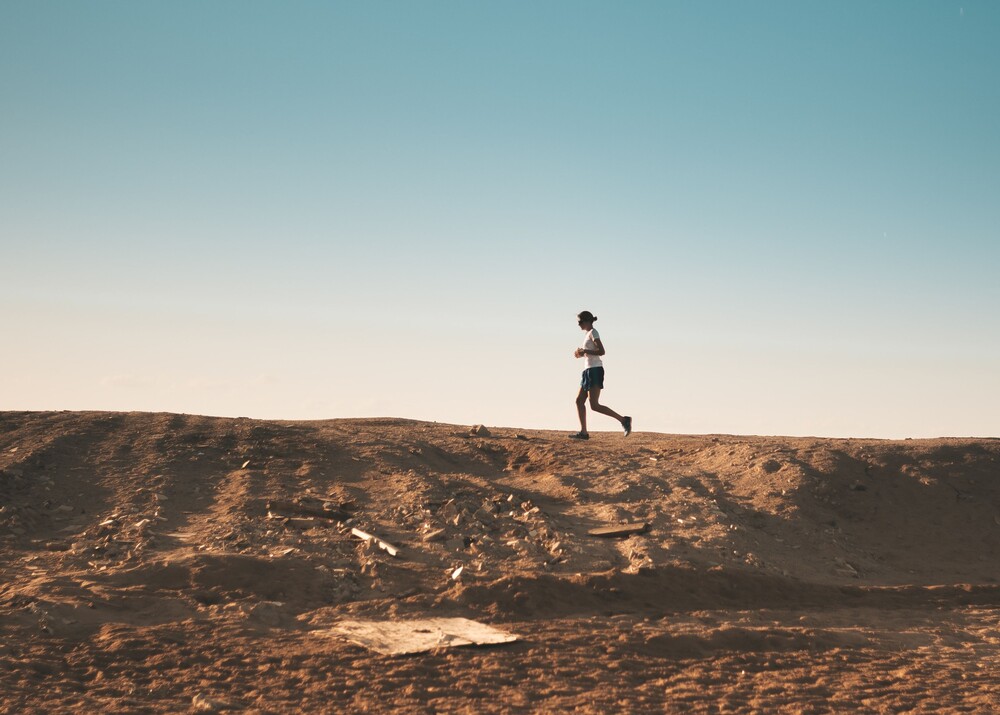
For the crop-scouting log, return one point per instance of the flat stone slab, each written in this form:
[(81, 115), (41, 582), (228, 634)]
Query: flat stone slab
[(401, 637)]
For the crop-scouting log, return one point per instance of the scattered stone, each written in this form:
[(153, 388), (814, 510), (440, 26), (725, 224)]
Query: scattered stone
[(204, 704), (457, 573), (436, 535), (845, 568), (480, 431), (448, 511)]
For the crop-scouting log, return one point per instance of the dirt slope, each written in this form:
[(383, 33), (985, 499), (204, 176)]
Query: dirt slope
[(163, 563)]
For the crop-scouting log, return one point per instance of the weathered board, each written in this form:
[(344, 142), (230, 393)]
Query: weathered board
[(620, 530), (384, 545), (400, 637)]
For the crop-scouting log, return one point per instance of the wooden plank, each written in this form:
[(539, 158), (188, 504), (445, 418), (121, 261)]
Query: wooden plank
[(418, 635), (384, 545), (620, 530)]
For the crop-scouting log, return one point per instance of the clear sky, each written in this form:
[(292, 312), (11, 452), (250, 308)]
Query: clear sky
[(786, 215)]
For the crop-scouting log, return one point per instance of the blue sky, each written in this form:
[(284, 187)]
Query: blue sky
[(783, 213)]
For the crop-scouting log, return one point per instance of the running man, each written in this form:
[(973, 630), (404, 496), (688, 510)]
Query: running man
[(593, 377)]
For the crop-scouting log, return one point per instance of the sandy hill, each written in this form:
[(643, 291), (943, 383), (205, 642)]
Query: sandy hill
[(160, 562)]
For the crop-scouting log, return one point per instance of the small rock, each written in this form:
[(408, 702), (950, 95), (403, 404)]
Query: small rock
[(203, 704), (480, 431), (436, 535), (845, 567), (457, 573)]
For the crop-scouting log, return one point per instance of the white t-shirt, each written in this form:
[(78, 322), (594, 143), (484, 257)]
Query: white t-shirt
[(590, 343)]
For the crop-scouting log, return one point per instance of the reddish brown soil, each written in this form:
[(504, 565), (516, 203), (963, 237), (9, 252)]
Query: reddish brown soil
[(141, 570)]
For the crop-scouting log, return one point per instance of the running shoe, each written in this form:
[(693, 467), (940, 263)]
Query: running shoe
[(580, 435), (627, 424)]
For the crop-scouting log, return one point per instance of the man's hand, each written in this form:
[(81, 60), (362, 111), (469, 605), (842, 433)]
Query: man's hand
[(580, 352)]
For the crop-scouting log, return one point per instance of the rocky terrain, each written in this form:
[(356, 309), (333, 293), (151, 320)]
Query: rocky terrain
[(173, 563)]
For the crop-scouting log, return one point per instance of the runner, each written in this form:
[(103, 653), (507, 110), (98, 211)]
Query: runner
[(593, 378)]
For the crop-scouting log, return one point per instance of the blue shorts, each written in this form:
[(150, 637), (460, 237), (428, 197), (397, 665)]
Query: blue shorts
[(593, 377)]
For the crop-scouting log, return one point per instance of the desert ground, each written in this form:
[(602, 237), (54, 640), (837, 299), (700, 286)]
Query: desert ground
[(177, 563)]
